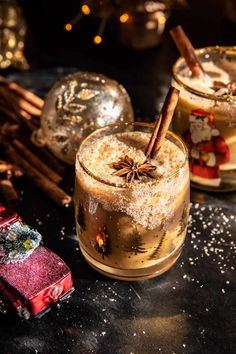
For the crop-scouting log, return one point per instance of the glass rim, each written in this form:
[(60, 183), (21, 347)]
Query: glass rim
[(200, 51), (137, 124)]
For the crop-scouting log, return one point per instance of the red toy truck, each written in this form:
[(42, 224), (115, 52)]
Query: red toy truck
[(31, 284)]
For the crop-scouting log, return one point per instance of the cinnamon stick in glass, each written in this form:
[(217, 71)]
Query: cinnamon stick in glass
[(153, 137), (187, 51), (162, 125)]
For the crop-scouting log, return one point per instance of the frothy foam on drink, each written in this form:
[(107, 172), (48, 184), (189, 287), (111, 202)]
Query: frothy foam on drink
[(223, 71), (99, 155), (147, 200)]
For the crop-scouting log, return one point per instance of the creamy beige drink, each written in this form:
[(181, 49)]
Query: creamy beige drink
[(131, 215), (206, 115)]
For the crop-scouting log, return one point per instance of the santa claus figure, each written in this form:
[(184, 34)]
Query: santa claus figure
[(207, 149)]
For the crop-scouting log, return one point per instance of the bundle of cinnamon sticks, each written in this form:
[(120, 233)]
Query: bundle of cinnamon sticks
[(19, 105), (19, 113)]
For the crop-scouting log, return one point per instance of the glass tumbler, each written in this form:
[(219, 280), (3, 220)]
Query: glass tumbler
[(207, 122), (131, 232)]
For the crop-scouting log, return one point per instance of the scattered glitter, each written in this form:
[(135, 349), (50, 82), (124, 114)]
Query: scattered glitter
[(39, 222), (210, 240)]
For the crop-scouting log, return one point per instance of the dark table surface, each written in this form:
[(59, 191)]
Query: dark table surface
[(190, 309)]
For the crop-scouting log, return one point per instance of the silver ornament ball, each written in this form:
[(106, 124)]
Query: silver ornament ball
[(77, 105)]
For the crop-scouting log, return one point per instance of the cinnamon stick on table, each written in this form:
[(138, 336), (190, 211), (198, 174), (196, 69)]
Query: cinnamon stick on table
[(187, 51), (34, 160), (46, 156), (9, 170), (9, 193), (9, 101), (8, 114), (43, 183), (27, 95), (15, 131), (162, 125), (23, 104), (9, 130), (11, 109)]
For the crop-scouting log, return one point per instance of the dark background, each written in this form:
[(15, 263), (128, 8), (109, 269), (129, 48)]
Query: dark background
[(49, 45), (185, 311), (205, 21)]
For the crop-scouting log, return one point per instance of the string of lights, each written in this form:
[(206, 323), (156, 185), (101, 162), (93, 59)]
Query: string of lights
[(125, 11)]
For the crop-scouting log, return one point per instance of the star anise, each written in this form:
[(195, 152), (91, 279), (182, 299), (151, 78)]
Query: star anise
[(131, 170), (222, 89)]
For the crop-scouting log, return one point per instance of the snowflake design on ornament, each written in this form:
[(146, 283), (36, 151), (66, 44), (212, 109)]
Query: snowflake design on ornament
[(68, 101), (86, 94)]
